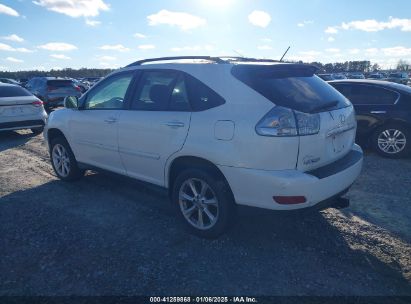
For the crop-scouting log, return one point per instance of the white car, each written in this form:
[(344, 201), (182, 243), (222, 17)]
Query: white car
[(19, 109), (216, 133)]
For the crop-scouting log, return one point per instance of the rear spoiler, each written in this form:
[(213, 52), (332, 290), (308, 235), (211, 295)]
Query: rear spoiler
[(275, 70)]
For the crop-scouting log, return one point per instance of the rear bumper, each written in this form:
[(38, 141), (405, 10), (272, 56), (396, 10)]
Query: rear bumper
[(256, 188), (18, 125)]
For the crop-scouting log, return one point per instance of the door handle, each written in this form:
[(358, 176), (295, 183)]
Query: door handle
[(378, 112), (175, 124), (110, 120)]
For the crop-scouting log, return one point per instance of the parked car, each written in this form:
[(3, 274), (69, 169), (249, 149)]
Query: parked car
[(355, 75), (383, 114), (52, 90), (84, 86), (377, 76), (260, 133), (92, 80), (399, 77), (339, 76), (10, 81), (326, 77), (19, 109)]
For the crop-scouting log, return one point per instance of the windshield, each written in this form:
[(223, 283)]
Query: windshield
[(291, 87)]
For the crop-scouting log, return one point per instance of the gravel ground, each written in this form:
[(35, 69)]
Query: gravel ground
[(109, 235)]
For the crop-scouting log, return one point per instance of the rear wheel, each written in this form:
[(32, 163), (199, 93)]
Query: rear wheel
[(204, 203), (392, 141), (63, 161)]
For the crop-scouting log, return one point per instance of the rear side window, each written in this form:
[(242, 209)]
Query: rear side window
[(292, 86), (59, 83), (367, 95), (11, 91), (200, 95)]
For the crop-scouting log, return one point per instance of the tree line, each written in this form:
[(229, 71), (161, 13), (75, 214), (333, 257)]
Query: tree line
[(363, 66), (72, 73)]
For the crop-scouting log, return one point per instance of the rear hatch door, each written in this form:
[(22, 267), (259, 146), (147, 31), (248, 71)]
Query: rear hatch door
[(17, 101)]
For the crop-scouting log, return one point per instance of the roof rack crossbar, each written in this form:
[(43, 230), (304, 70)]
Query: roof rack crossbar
[(215, 59)]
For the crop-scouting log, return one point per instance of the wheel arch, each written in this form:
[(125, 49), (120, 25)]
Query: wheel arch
[(181, 163), (53, 133)]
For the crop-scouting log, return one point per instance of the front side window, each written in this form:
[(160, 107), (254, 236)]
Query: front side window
[(109, 94)]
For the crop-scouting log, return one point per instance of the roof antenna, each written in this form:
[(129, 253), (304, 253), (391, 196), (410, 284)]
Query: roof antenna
[(285, 53), (238, 53)]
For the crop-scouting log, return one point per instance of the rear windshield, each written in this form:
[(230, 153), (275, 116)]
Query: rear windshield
[(13, 91), (60, 83), (291, 86)]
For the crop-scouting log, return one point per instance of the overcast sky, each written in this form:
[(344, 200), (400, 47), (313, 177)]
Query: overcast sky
[(45, 34)]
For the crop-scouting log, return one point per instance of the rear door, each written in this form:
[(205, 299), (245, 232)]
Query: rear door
[(94, 127), (155, 126), (372, 104)]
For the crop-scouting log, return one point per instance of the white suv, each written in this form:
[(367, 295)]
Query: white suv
[(217, 132)]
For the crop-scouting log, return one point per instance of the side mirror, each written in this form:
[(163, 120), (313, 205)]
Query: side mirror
[(71, 102)]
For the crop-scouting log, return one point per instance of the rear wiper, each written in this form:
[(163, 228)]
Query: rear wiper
[(324, 106)]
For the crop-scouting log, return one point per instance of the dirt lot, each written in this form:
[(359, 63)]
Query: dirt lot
[(109, 235)]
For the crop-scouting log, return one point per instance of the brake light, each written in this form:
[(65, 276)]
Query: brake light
[(282, 121), (37, 103), (289, 200), (77, 88)]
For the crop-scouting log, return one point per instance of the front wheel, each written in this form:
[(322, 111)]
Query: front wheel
[(63, 161), (392, 141), (204, 203)]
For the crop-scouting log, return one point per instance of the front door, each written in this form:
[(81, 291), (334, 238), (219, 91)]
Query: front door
[(94, 127)]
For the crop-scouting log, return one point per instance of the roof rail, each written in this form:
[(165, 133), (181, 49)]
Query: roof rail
[(140, 62), (246, 59)]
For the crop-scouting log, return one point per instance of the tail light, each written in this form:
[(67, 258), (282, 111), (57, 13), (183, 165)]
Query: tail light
[(37, 103), (286, 122), (77, 88)]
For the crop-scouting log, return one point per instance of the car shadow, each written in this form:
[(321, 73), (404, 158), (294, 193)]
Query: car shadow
[(11, 139), (110, 235)]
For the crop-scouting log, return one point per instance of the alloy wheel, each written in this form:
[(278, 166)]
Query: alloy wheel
[(391, 141), (61, 160), (198, 203)]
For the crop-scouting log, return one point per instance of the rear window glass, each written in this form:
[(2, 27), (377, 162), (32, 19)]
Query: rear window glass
[(291, 86), (60, 83), (11, 91)]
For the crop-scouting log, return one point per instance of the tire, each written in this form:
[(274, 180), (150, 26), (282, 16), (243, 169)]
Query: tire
[(37, 131), (392, 141), (216, 205), (69, 170)]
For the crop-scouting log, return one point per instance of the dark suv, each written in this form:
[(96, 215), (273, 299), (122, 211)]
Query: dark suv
[(383, 112), (52, 90)]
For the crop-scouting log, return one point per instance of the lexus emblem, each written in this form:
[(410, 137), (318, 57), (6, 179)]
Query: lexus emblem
[(342, 118)]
